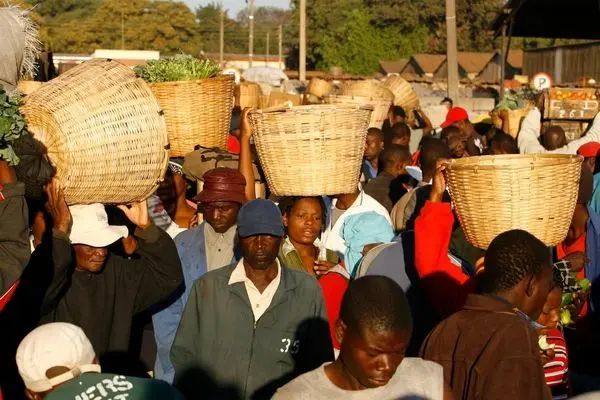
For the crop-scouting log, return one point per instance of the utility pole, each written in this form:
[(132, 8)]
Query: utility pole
[(251, 32), (122, 28), (452, 55), (280, 46), (222, 36), (267, 58), (302, 71)]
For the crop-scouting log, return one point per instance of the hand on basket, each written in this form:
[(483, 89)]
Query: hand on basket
[(56, 206), (245, 128), (137, 213), (438, 186)]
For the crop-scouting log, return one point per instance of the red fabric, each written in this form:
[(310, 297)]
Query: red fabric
[(446, 286), (455, 114), (333, 286), (233, 145), (6, 298), (556, 370), (414, 160), (577, 246)]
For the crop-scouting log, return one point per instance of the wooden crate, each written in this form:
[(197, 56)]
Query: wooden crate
[(556, 106)]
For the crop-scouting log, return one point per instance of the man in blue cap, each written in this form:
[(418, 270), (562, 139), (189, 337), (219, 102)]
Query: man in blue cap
[(251, 327)]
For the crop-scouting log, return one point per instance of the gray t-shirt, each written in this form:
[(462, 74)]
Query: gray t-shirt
[(415, 379)]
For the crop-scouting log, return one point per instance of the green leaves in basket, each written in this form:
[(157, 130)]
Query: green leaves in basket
[(12, 126), (178, 68)]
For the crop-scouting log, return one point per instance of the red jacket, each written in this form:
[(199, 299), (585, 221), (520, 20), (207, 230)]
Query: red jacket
[(446, 286)]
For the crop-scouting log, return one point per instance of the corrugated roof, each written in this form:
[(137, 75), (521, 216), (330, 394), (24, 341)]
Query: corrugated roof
[(474, 63), (429, 63), (393, 67)]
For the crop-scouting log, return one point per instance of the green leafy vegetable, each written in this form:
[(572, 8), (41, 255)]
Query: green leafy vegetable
[(516, 99), (12, 126), (178, 68)]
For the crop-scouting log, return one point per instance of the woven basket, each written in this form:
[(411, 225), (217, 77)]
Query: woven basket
[(197, 112), (319, 87), (367, 88), (104, 132), (494, 194), (248, 95), (511, 120), (381, 107), (28, 87), (311, 150), (404, 95)]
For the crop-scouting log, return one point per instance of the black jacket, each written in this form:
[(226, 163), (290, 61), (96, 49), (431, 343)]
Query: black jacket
[(104, 304)]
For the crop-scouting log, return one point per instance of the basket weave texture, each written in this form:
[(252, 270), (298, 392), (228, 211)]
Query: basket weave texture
[(104, 132), (250, 95), (494, 194), (28, 87), (319, 87), (367, 88), (380, 107), (311, 150), (197, 112), (404, 95)]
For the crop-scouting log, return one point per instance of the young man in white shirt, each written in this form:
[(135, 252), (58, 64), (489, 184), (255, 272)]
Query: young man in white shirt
[(374, 330)]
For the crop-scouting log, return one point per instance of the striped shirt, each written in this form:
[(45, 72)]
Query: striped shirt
[(556, 371)]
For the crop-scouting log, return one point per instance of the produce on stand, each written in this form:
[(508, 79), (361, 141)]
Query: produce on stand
[(104, 132), (513, 108), (196, 99), (571, 104), (311, 150), (519, 191)]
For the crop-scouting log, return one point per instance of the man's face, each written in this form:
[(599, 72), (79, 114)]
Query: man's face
[(537, 292), (221, 215), (457, 144), (373, 147), (260, 251), (90, 259), (372, 356)]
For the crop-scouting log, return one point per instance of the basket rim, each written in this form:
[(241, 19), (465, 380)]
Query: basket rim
[(348, 96), (173, 83), (513, 161), (322, 107)]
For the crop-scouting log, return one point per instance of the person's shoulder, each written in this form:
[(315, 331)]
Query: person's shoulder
[(298, 278), (418, 366), (215, 276), (304, 387), (190, 235)]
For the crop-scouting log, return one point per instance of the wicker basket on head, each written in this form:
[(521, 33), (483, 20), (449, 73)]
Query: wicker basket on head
[(494, 194), (248, 95), (367, 88), (319, 87), (104, 132), (311, 150), (28, 87), (197, 112), (380, 107), (404, 95)]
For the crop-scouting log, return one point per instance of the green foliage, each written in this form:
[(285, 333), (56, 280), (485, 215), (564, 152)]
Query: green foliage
[(12, 126), (178, 68)]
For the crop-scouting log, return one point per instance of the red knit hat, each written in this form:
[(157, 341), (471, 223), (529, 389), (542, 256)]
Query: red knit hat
[(591, 149), (222, 184), (455, 114)]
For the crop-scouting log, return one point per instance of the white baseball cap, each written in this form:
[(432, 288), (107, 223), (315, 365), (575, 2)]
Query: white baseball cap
[(90, 226), (57, 344)]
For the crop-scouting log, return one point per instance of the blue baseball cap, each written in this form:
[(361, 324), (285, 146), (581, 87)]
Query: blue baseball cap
[(260, 217)]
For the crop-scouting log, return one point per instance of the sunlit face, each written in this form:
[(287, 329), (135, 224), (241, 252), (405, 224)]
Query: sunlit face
[(221, 215), (90, 259), (260, 251), (304, 221), (373, 147)]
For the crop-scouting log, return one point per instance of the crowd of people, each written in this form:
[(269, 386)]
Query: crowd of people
[(207, 291)]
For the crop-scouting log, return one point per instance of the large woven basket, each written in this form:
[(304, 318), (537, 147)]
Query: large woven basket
[(311, 150), (367, 88), (404, 95), (494, 194), (104, 131), (319, 87), (511, 120), (248, 95), (28, 87), (381, 107), (197, 112)]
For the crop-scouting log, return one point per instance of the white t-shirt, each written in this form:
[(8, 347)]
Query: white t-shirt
[(414, 379)]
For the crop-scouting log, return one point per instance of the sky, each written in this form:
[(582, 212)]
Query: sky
[(236, 5)]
